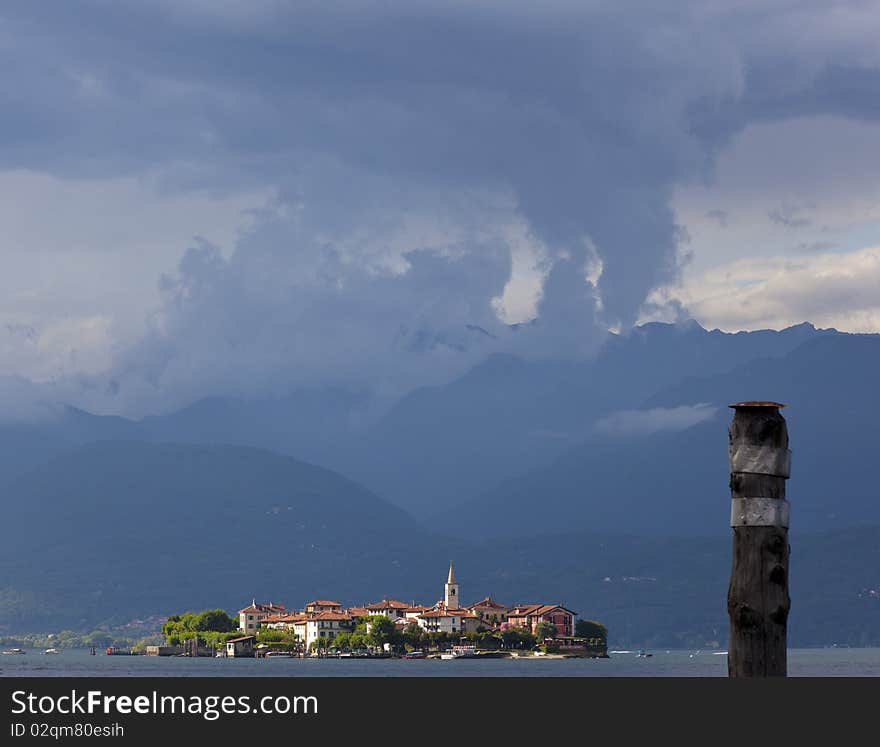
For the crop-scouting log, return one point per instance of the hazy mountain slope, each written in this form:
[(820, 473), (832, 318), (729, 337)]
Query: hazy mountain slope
[(673, 482), (673, 592), (23, 447), (126, 527), (307, 424), (663, 484), (440, 446)]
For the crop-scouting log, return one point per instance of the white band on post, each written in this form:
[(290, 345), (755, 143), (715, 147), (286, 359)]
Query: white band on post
[(759, 512)]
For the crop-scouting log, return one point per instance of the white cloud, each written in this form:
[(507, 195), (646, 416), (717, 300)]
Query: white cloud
[(81, 260), (830, 289), (646, 422)]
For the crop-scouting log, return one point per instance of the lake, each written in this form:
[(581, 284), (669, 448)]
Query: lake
[(820, 662)]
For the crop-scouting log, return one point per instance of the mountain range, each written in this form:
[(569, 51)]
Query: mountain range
[(542, 478)]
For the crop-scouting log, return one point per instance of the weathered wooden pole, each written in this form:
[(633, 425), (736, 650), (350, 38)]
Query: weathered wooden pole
[(757, 600)]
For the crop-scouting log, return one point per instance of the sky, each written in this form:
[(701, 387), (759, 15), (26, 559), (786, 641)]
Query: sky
[(244, 197)]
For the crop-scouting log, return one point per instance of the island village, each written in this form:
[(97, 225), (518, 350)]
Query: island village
[(390, 627)]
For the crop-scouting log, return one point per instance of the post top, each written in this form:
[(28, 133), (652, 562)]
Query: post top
[(757, 403)]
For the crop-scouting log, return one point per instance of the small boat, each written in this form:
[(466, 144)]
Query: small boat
[(279, 655), (460, 652), (414, 655), (643, 654), (51, 651), (14, 651)]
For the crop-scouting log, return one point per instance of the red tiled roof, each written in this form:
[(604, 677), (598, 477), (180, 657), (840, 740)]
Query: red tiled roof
[(530, 610), (323, 603), (287, 618), (330, 616), (488, 603), (442, 612), (256, 607), (386, 604), (358, 611)]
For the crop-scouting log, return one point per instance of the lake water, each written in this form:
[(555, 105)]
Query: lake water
[(826, 662)]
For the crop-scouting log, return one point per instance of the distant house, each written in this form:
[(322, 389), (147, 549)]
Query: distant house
[(530, 615), (438, 620), (492, 613), (327, 625), (252, 617), (285, 622), (388, 607), (240, 648), (412, 612), (443, 620), (323, 605)]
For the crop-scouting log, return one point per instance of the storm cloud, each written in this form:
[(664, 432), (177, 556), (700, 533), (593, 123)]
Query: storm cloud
[(424, 164)]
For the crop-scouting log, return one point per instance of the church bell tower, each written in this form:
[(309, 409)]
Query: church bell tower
[(450, 591)]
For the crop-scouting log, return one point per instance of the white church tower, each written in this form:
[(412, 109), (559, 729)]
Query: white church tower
[(450, 591)]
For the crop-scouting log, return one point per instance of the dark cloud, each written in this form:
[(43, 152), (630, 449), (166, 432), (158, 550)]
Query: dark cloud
[(402, 141)]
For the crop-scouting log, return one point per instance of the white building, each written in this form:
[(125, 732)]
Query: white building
[(253, 616), (390, 608), (327, 625)]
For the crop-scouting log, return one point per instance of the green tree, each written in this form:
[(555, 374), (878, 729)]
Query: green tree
[(321, 644), (545, 630), (268, 635), (518, 638), (412, 635), (382, 630), (215, 620), (343, 641), (179, 628), (590, 629)]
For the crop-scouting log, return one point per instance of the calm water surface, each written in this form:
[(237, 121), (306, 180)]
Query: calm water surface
[(828, 662)]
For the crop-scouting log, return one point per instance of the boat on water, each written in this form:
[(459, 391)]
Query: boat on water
[(643, 654), (14, 651), (279, 655), (414, 655), (460, 652), (51, 651)]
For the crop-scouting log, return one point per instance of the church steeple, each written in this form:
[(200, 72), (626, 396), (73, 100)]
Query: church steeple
[(450, 590)]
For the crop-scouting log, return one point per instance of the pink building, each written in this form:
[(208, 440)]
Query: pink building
[(529, 615)]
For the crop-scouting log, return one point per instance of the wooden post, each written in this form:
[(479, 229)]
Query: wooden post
[(757, 600)]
